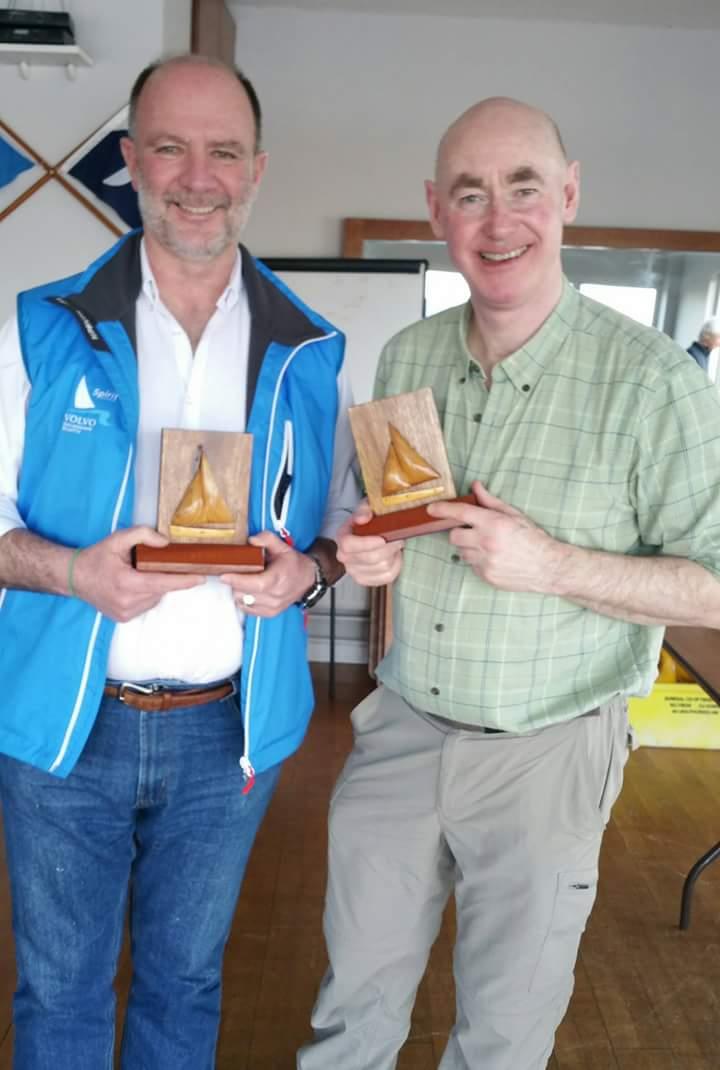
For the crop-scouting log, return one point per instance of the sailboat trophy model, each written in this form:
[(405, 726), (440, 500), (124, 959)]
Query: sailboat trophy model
[(202, 505), (202, 512), (404, 464)]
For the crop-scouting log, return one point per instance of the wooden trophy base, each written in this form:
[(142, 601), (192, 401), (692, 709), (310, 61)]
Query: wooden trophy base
[(407, 523), (199, 557)]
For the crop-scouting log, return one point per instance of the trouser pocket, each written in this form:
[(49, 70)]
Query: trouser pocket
[(574, 897), (617, 712)]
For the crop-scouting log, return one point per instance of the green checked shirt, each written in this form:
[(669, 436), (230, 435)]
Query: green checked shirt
[(607, 435)]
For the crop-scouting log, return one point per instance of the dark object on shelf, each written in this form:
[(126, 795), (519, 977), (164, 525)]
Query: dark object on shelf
[(21, 27)]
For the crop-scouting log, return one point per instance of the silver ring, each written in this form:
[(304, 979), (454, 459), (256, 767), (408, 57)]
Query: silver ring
[(248, 599)]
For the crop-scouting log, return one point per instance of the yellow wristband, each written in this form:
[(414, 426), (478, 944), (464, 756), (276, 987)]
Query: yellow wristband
[(71, 568)]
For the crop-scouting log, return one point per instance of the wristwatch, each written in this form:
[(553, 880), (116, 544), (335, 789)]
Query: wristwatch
[(313, 594)]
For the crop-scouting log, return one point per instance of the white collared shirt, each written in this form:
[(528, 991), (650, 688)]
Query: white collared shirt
[(195, 636)]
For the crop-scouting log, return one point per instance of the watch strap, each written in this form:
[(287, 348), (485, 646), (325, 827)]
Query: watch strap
[(316, 591)]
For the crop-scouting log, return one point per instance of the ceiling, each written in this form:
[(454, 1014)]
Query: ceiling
[(686, 14)]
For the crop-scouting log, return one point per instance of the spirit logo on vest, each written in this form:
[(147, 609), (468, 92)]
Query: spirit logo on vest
[(87, 412), (97, 171)]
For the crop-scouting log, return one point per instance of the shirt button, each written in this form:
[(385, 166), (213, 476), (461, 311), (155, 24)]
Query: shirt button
[(434, 690), (477, 417), (439, 627), (455, 558), (463, 380), (526, 387)]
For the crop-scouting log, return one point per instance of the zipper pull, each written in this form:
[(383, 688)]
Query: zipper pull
[(286, 536), (249, 774)]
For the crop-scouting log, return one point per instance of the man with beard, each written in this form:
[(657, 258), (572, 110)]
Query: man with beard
[(486, 764), (145, 716)]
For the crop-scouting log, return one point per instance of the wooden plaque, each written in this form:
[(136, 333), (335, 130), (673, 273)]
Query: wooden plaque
[(409, 522), (202, 505), (404, 464)]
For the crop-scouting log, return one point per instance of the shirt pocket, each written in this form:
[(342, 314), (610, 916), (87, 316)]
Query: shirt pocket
[(587, 504)]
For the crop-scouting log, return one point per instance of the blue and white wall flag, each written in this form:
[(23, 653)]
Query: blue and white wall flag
[(98, 172), (18, 169)]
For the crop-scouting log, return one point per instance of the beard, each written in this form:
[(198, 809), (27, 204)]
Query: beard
[(154, 211)]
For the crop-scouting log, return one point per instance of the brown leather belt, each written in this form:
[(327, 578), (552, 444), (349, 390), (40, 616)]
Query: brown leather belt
[(153, 698)]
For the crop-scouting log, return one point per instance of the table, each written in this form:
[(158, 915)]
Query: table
[(698, 650)]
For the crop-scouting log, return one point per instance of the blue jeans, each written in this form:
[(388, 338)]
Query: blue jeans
[(154, 807)]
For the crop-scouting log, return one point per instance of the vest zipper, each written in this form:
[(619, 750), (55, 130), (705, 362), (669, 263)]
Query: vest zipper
[(244, 762)]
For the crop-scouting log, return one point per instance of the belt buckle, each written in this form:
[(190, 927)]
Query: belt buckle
[(139, 689)]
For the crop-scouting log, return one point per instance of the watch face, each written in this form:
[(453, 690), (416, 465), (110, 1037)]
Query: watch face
[(318, 589), (314, 595)]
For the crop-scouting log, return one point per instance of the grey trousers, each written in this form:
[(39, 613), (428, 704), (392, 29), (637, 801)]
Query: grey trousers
[(512, 824)]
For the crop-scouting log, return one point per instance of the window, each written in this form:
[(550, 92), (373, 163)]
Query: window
[(444, 289), (638, 302)]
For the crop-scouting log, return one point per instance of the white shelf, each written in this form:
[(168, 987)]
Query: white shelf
[(27, 56)]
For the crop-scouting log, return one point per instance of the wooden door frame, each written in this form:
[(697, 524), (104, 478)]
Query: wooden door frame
[(213, 30)]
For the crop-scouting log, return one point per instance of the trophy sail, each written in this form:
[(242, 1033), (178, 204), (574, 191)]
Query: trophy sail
[(405, 468), (202, 512)]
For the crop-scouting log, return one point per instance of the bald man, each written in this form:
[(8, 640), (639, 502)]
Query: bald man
[(487, 762), (145, 716)]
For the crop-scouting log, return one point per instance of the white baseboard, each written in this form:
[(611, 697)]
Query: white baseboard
[(351, 636), (349, 651)]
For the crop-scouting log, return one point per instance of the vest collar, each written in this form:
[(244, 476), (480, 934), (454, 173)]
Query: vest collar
[(112, 291)]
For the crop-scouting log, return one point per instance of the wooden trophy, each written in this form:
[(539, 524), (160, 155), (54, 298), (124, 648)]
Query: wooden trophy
[(404, 464), (202, 505)]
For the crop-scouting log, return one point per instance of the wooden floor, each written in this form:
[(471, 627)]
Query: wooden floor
[(647, 996)]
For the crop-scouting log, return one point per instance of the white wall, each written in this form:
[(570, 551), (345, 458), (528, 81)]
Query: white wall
[(177, 17), (51, 234), (355, 103)]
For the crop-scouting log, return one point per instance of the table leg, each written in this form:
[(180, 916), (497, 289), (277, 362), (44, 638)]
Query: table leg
[(331, 667), (701, 864)]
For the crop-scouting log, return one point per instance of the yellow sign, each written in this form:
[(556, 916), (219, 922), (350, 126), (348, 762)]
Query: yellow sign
[(676, 715)]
